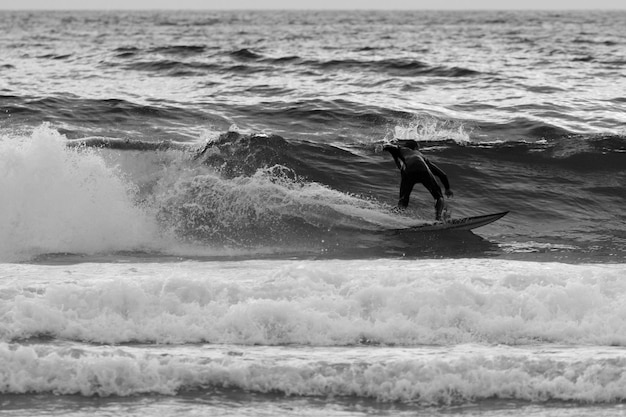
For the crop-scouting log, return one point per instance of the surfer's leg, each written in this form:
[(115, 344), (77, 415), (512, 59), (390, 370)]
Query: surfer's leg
[(435, 190), (406, 186), (439, 205)]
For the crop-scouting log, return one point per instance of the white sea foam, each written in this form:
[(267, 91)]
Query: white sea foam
[(59, 200), (427, 375), (428, 129), (317, 303)]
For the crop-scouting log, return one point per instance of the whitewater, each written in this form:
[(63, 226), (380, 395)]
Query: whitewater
[(385, 336), (197, 217)]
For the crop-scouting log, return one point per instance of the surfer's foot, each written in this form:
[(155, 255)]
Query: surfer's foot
[(398, 209)]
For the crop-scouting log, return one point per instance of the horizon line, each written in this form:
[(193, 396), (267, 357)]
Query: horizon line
[(316, 10)]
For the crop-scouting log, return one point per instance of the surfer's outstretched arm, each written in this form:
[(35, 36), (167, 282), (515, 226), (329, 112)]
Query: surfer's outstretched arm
[(442, 176)]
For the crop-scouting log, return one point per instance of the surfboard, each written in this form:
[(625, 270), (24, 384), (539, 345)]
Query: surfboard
[(465, 223)]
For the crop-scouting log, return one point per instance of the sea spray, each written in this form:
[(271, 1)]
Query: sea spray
[(57, 199), (424, 128), (271, 206)]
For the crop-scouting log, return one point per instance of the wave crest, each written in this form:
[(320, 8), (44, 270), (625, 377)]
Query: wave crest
[(57, 199)]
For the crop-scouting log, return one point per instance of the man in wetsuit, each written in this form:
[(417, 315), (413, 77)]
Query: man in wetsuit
[(415, 167)]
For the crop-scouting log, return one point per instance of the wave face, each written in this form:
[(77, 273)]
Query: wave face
[(264, 194)]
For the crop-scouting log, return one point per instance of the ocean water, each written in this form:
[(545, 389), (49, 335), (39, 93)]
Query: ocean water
[(197, 217)]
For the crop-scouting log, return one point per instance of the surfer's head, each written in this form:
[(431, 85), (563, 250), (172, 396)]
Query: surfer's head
[(409, 143)]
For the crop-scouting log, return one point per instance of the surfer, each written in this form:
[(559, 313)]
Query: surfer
[(416, 168)]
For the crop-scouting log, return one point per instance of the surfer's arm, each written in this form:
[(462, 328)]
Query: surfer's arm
[(397, 156), (442, 176)]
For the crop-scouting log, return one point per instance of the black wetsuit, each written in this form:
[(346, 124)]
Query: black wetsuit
[(416, 168)]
